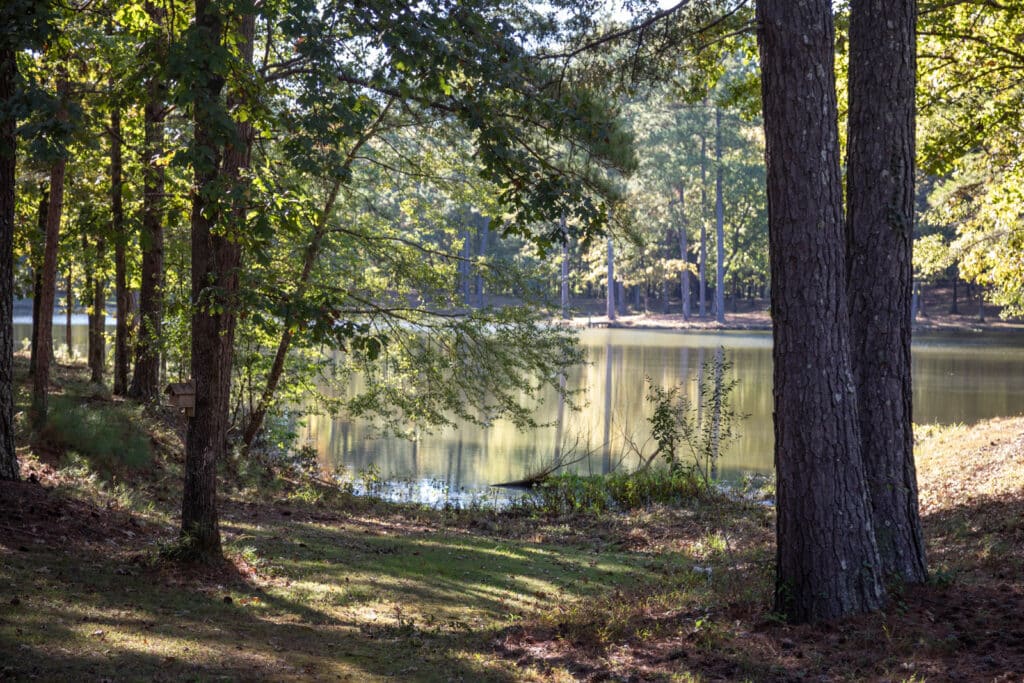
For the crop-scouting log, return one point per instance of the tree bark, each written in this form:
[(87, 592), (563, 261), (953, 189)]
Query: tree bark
[(44, 336), (216, 258), (485, 229), (827, 559), (880, 235), (719, 223), (118, 229), (145, 384), (9, 469)]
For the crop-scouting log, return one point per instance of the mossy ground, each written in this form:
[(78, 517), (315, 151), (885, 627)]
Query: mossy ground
[(323, 586)]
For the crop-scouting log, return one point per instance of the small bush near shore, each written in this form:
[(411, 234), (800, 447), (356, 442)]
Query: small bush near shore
[(567, 493)]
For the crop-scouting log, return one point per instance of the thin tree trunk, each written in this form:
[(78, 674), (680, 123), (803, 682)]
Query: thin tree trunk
[(38, 246), (955, 308), (719, 223), (69, 304), (95, 288), (485, 229), (565, 271), (119, 231), (216, 258), (827, 559), (702, 272), (44, 337), (145, 385), (610, 304), (255, 423), (684, 277), (9, 469)]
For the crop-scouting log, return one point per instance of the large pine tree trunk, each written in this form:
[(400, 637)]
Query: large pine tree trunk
[(145, 384), (565, 271), (8, 154), (216, 258), (48, 289), (719, 223), (879, 232), (119, 231), (827, 560)]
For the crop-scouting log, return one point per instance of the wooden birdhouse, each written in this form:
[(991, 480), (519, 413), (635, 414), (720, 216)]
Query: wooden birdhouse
[(183, 395)]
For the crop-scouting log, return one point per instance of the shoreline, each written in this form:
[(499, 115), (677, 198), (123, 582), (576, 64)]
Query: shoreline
[(760, 321)]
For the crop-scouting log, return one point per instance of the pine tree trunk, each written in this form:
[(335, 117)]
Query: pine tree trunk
[(827, 560), (118, 229), (48, 289), (145, 385), (8, 177), (216, 258), (880, 236), (719, 223)]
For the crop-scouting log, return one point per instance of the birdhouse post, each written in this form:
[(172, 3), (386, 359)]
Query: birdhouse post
[(183, 395)]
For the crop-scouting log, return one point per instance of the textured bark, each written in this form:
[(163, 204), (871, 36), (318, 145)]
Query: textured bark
[(879, 232), (8, 155), (44, 335), (827, 560), (719, 223), (145, 384), (119, 231), (216, 258)]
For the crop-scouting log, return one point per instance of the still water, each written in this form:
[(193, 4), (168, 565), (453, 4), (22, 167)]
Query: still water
[(956, 379)]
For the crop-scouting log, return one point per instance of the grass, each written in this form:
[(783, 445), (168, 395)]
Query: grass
[(321, 585)]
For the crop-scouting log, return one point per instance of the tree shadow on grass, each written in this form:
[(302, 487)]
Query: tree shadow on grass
[(328, 599)]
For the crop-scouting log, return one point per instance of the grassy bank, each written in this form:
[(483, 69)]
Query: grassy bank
[(324, 586)]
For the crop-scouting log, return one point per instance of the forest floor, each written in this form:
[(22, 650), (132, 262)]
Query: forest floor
[(322, 586)]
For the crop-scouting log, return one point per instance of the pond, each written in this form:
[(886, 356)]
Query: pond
[(958, 378)]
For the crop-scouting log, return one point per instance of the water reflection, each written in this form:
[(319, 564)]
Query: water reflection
[(956, 380)]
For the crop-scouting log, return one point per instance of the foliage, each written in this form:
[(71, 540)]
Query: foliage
[(703, 428), (969, 94), (109, 436), (568, 493)]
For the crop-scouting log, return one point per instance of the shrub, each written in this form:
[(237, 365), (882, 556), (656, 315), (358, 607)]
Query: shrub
[(107, 435)]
